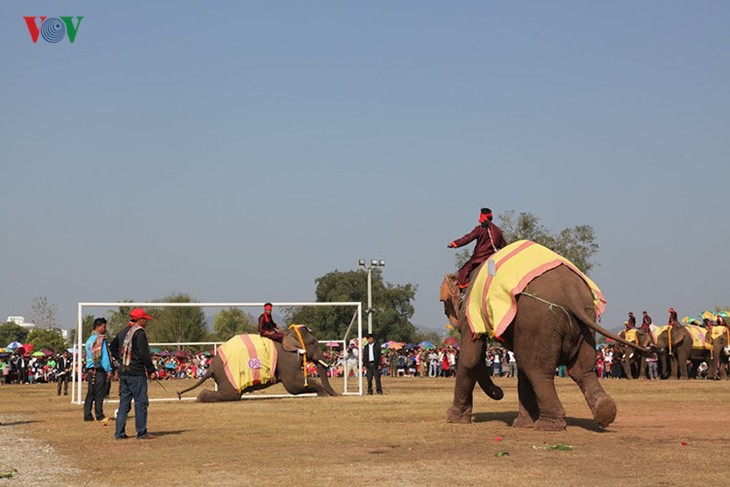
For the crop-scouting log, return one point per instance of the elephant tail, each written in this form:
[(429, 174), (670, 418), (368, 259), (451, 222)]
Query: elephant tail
[(208, 374), (585, 317)]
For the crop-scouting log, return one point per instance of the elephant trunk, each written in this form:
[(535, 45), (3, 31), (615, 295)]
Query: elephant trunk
[(322, 369)]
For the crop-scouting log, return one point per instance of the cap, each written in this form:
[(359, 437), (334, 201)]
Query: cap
[(138, 314)]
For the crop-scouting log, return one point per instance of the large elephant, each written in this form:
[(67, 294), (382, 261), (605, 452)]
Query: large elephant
[(554, 325), (681, 351), (288, 369), (632, 359)]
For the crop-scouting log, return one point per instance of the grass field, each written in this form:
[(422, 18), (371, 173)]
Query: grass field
[(666, 433)]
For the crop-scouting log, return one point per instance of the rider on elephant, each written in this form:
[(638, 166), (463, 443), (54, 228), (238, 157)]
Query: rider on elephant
[(673, 320), (489, 240), (267, 327), (646, 322)]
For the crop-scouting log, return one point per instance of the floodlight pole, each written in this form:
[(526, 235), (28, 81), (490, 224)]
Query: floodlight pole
[(373, 263), (370, 300)]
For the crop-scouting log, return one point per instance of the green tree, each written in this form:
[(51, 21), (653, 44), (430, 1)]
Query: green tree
[(231, 322), (392, 306), (118, 319), (87, 326), (42, 338), (177, 324), (11, 332)]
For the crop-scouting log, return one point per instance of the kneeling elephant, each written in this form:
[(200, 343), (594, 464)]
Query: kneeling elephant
[(246, 363)]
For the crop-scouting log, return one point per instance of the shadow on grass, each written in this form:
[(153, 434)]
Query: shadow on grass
[(169, 432), (16, 423), (587, 424)]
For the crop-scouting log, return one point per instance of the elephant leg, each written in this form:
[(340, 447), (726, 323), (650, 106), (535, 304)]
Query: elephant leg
[(642, 367), (529, 412), (461, 408), (602, 405), (552, 414), (225, 392)]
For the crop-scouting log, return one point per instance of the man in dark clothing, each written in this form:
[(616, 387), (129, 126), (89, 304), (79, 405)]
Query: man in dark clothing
[(489, 240), (267, 327), (631, 323), (371, 358), (132, 353), (63, 369), (646, 321)]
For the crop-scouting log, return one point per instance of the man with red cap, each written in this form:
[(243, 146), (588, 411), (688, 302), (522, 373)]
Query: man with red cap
[(489, 240), (132, 353), (267, 327), (673, 321)]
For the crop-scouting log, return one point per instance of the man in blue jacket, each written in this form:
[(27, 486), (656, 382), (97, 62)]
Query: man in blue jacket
[(98, 370)]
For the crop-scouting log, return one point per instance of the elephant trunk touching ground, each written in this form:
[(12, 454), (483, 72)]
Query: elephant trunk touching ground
[(554, 324)]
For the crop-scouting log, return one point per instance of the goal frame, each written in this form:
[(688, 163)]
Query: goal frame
[(77, 376)]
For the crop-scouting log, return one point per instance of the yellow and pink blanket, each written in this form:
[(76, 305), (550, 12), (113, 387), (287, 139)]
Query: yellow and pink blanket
[(249, 360), (700, 341), (491, 304)]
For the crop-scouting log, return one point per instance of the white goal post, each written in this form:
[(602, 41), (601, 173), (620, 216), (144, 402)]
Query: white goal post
[(77, 381)]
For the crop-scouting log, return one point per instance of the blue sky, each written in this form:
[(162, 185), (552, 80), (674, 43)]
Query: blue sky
[(239, 150)]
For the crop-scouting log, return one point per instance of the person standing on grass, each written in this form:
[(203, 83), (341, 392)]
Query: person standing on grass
[(63, 369), (98, 370), (371, 359), (132, 353)]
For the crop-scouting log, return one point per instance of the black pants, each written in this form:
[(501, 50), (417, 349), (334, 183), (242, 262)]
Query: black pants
[(372, 369), (62, 379), (96, 379)]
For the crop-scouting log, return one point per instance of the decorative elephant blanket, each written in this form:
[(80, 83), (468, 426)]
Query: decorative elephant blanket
[(249, 360), (698, 337), (696, 332), (718, 331), (491, 304)]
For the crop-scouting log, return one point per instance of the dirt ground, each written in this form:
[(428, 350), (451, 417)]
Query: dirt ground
[(666, 433)]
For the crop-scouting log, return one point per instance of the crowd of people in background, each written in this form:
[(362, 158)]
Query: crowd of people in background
[(396, 360)]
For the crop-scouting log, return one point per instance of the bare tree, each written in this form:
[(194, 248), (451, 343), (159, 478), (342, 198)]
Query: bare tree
[(43, 313)]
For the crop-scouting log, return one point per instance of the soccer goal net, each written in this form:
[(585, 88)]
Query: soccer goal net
[(339, 372)]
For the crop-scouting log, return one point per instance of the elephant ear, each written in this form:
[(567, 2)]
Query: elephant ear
[(449, 295), (290, 343)]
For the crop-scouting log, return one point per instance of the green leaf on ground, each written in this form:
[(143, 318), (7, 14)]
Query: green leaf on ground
[(8, 474), (561, 447), (502, 454)]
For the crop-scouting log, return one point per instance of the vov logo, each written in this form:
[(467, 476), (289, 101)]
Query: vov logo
[(53, 29)]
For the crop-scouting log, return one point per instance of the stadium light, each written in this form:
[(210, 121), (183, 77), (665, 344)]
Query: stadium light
[(373, 263)]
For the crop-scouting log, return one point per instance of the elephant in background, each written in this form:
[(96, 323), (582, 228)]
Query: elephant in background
[(681, 352), (288, 371), (719, 336), (554, 325), (633, 359)]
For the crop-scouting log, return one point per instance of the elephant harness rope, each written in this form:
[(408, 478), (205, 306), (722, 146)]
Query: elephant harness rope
[(304, 356)]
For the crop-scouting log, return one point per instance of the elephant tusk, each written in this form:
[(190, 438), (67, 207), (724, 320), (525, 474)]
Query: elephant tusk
[(323, 364)]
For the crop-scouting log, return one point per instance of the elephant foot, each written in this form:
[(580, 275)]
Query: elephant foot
[(556, 424), (523, 421), (456, 415), (605, 411)]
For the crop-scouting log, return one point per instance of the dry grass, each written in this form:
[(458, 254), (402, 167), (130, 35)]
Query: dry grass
[(400, 438)]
